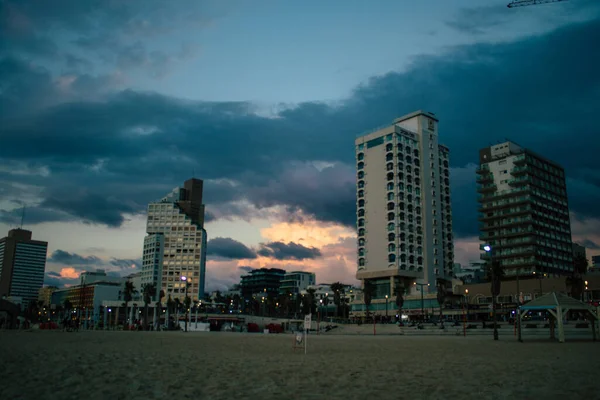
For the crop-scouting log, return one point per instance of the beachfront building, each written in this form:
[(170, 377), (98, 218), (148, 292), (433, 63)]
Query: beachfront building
[(45, 295), (404, 216), (472, 273), (263, 282), (175, 247), (296, 281), (22, 266), (524, 212)]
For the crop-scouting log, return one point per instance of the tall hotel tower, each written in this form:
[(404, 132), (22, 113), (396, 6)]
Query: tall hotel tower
[(175, 246), (524, 213), (404, 219)]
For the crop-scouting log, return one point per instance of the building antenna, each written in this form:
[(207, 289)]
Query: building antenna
[(22, 216)]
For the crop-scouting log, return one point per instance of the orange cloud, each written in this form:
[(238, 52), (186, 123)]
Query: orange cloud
[(309, 233), (69, 273)]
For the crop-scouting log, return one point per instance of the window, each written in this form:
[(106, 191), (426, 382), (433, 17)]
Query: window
[(361, 147), (361, 193), (360, 156), (391, 237), (401, 176), (389, 157), (361, 212), (417, 171), (361, 203), (401, 186), (361, 174), (391, 258), (402, 216), (416, 153), (390, 216), (389, 167), (390, 176), (361, 232), (390, 186), (408, 169), (361, 242), (361, 184), (390, 196), (389, 147), (391, 247), (361, 165), (389, 138), (361, 262), (361, 222), (361, 252), (391, 226), (408, 159)]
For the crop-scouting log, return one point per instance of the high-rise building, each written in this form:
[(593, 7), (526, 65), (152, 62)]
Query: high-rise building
[(22, 266), (404, 217), (262, 281), (524, 212), (176, 243)]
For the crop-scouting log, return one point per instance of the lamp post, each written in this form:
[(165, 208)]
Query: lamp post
[(583, 293), (184, 279), (541, 276), (386, 307), (488, 249), (464, 317), (422, 301)]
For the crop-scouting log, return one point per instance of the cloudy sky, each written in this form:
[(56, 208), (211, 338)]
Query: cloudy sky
[(106, 105)]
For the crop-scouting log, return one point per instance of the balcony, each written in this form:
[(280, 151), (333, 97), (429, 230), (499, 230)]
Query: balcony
[(519, 181), (489, 188), (483, 169), (519, 170), (485, 178), (520, 159)]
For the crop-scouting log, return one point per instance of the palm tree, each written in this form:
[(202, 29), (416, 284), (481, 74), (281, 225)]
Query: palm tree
[(128, 292), (338, 292), (308, 303), (170, 306), (495, 272), (368, 294), (149, 291), (441, 295), (158, 308), (177, 308), (399, 293), (187, 301)]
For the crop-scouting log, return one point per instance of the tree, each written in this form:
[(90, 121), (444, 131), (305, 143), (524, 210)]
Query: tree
[(495, 273), (399, 292), (575, 281), (148, 291), (128, 292), (308, 302), (368, 293), (338, 291), (170, 309), (441, 295), (186, 303)]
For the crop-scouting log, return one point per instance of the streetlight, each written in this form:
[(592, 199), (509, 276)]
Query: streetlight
[(184, 279), (386, 306), (586, 288), (488, 249), (541, 276), (422, 301)]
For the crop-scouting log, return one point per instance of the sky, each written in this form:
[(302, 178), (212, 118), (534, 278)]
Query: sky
[(106, 106)]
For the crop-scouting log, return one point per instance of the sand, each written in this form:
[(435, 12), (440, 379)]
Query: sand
[(212, 365)]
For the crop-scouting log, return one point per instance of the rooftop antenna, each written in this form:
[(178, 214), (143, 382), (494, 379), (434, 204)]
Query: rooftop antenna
[(22, 216)]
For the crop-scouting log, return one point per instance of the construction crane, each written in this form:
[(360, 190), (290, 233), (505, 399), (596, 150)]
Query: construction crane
[(523, 3)]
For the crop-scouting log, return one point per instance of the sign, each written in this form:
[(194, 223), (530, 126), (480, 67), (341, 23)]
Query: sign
[(307, 322)]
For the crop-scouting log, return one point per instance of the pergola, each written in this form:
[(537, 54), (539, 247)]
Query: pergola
[(558, 304)]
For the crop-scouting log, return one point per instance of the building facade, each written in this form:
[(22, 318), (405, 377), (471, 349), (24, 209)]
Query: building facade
[(263, 281), (524, 212), (45, 295), (22, 266), (176, 243), (404, 216), (297, 281)]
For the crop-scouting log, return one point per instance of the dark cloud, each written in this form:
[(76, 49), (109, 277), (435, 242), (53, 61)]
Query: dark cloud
[(589, 244), (131, 148), (54, 279), (290, 251), (66, 258), (478, 20), (127, 265), (229, 249)]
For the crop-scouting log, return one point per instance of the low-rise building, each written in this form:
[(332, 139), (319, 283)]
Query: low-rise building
[(296, 281)]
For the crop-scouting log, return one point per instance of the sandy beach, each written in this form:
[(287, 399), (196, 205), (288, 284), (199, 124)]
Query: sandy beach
[(177, 365)]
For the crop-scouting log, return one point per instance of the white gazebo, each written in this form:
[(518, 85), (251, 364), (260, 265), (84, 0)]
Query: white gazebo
[(558, 304)]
